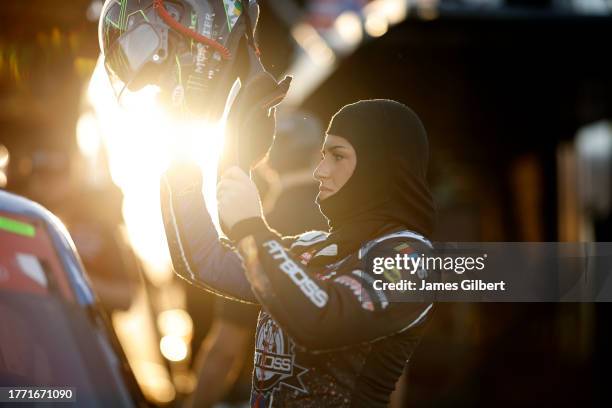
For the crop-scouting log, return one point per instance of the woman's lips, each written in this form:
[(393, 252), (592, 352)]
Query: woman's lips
[(325, 189)]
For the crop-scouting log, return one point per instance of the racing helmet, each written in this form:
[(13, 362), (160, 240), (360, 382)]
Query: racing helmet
[(191, 50)]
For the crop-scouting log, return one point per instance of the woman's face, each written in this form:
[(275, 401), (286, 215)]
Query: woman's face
[(337, 165)]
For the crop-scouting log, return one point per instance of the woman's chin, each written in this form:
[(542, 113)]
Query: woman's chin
[(323, 195)]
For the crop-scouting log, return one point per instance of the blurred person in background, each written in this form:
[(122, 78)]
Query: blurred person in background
[(222, 364), (291, 189)]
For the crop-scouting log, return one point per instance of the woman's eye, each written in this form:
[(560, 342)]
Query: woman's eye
[(338, 157)]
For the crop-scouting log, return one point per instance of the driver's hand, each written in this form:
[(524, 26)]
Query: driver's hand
[(237, 197)]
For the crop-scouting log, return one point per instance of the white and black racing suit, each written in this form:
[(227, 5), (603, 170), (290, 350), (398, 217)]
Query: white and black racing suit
[(325, 336)]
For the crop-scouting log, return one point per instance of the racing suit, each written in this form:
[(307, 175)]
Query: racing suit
[(325, 337)]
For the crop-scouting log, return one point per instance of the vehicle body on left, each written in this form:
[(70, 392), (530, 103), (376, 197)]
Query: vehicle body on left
[(53, 332)]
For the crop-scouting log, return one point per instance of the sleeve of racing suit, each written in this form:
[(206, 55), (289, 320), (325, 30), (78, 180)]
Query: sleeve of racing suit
[(344, 310), (197, 255)]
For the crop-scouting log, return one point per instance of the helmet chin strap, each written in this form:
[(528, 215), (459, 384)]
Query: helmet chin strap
[(172, 23)]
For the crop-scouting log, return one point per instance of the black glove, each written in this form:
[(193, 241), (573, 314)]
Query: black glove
[(251, 121)]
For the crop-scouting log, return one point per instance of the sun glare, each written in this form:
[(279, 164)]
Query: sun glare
[(141, 140)]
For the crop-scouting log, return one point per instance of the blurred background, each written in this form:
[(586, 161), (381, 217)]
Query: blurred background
[(516, 96)]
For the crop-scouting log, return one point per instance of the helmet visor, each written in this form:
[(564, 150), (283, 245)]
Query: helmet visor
[(132, 51), (131, 37)]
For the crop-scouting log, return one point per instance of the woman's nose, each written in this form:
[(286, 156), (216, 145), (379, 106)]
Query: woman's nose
[(321, 172)]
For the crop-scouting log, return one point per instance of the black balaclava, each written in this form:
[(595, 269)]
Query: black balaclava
[(388, 190)]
